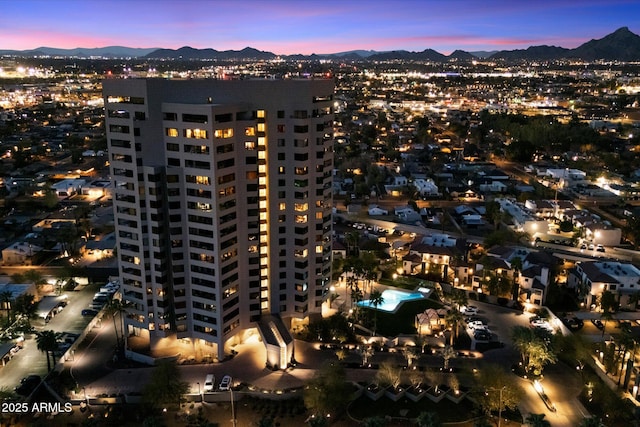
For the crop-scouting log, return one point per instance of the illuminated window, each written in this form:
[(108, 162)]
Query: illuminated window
[(202, 180), (301, 219), (249, 145), (223, 133), (260, 114), (172, 132), (195, 133), (250, 131), (318, 249), (261, 127), (318, 215), (281, 169), (283, 206), (301, 207)]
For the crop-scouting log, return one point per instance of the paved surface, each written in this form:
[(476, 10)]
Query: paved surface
[(561, 385)]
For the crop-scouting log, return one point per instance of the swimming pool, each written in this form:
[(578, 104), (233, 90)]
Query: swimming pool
[(393, 298)]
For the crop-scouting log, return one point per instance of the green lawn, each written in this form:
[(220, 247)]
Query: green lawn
[(403, 320)]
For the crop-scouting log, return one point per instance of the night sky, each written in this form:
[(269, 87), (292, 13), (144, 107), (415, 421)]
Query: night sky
[(312, 26)]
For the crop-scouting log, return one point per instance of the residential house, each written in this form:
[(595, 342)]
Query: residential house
[(592, 278), (19, 253)]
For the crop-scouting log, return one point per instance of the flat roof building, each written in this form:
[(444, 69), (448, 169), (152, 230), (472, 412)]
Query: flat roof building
[(222, 194)]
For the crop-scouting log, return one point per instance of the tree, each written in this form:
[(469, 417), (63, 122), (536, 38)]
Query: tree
[(453, 319), (534, 348), (428, 419), (537, 420), (118, 308), (25, 305), (493, 213), (375, 299), (165, 386), (608, 302), (47, 342), (388, 375), (459, 298), (497, 390), (327, 392), (516, 264), (447, 354)]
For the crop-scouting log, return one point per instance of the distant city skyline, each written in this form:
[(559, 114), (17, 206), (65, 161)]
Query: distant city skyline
[(298, 27)]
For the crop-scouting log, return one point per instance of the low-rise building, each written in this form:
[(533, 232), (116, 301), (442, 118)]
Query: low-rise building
[(592, 278), (19, 253)]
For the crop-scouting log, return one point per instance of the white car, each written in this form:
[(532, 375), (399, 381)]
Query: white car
[(469, 310), (209, 381), (225, 383), (476, 324)]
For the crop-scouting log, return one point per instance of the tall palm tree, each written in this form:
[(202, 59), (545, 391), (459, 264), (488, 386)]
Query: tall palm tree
[(537, 420), (453, 319), (375, 299), (118, 308), (47, 342), (516, 264)]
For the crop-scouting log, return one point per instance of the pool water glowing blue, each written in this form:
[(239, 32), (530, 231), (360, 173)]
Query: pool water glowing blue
[(393, 298)]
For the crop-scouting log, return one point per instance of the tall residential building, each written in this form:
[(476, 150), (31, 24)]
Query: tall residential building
[(222, 200)]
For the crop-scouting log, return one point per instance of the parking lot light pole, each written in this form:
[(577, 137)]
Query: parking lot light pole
[(233, 412)]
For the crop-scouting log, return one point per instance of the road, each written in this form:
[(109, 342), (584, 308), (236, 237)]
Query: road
[(562, 385), (30, 360)]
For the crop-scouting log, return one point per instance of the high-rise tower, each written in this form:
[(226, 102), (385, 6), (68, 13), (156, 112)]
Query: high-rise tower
[(222, 200)]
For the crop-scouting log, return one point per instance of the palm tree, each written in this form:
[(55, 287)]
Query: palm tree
[(118, 308), (47, 342), (516, 264), (537, 420), (459, 298), (428, 419), (453, 319), (375, 299), (34, 276), (533, 347)]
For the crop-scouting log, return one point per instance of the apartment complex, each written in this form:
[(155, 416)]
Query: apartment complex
[(222, 200)]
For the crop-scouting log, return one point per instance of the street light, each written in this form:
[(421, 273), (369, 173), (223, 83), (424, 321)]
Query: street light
[(233, 412), (499, 402)]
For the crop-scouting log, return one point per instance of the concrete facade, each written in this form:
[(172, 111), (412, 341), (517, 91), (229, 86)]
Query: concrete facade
[(222, 204)]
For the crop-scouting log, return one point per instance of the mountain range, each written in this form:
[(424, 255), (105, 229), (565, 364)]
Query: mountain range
[(621, 45)]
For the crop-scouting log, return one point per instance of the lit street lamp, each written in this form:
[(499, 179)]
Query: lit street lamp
[(499, 402)]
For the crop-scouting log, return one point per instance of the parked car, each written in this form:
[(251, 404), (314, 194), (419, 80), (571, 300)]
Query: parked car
[(598, 323), (469, 310), (225, 383), (600, 248), (209, 382), (482, 336), (475, 324)]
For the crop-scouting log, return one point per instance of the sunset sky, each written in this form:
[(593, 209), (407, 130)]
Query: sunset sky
[(316, 26)]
